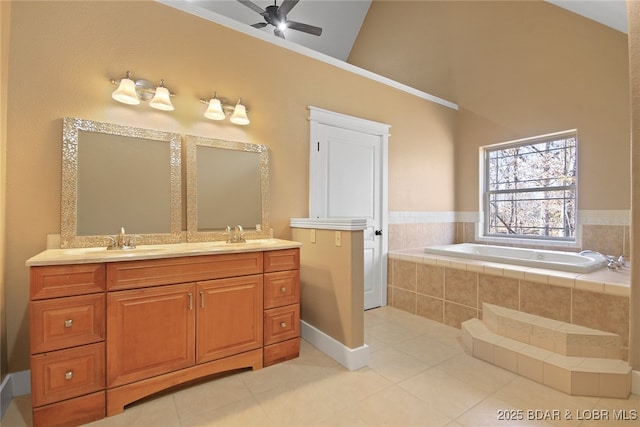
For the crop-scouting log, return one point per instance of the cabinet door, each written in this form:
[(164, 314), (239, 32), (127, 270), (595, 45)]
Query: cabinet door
[(229, 317), (149, 332)]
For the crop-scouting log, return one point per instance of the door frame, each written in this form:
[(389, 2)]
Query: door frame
[(319, 116)]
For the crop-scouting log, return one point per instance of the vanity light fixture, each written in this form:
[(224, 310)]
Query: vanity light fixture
[(218, 110), (131, 92)]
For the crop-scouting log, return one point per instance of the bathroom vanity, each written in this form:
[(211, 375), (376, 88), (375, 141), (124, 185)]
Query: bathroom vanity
[(108, 328)]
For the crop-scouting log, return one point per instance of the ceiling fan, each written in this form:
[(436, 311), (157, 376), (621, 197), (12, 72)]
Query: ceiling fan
[(277, 16)]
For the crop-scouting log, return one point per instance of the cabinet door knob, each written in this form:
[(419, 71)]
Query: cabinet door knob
[(202, 299), (283, 289), (190, 301), (68, 323), (283, 324), (68, 375)]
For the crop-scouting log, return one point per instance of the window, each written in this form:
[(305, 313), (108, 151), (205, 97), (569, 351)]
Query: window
[(529, 188)]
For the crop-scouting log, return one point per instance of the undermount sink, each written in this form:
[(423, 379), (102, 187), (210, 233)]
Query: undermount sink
[(222, 243), (83, 251), (88, 251)]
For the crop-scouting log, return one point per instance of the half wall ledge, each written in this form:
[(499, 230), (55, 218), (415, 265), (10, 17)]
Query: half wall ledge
[(332, 287)]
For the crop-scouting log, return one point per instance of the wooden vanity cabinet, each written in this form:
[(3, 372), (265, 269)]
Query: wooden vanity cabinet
[(125, 330)]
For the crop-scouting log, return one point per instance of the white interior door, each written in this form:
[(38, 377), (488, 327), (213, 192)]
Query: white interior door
[(348, 181)]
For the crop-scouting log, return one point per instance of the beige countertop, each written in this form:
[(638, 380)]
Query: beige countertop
[(101, 254)]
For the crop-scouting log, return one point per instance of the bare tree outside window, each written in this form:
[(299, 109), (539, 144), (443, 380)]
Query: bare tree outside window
[(530, 188)]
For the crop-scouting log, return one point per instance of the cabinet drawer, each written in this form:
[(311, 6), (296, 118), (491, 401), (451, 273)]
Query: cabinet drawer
[(284, 259), (53, 281), (281, 324), (72, 412), (143, 273), (66, 322), (282, 351), (281, 288), (64, 374)]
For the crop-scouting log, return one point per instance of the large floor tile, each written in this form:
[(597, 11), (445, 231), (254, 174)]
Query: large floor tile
[(157, 412), (443, 393), (476, 373), (396, 365), (389, 407)]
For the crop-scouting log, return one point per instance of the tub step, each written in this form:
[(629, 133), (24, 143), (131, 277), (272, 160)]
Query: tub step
[(575, 375), (548, 334)]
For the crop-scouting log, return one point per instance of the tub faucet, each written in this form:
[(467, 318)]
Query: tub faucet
[(613, 263)]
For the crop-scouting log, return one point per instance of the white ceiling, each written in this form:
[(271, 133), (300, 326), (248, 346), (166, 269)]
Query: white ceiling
[(341, 20)]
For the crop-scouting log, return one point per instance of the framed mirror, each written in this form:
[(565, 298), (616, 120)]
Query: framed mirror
[(117, 176), (227, 185)]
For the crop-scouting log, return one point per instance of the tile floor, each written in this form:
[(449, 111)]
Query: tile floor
[(419, 375)]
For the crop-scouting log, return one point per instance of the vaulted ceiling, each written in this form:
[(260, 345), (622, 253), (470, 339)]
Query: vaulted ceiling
[(341, 20)]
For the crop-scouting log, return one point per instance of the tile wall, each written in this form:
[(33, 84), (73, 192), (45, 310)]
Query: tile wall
[(450, 295)]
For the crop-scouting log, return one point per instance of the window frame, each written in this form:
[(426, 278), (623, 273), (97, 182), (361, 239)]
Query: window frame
[(485, 193)]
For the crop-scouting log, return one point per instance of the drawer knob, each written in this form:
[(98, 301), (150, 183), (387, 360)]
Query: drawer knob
[(283, 324), (283, 289), (68, 375), (68, 323)]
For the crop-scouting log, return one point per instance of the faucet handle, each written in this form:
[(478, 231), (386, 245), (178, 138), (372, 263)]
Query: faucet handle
[(131, 241), (112, 242)]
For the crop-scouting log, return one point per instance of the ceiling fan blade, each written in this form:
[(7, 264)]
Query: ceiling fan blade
[(306, 28), (251, 5), (286, 6), (259, 25), (278, 32)]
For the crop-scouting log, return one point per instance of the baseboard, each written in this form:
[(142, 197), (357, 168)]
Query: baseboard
[(14, 384), (350, 358), (635, 382)]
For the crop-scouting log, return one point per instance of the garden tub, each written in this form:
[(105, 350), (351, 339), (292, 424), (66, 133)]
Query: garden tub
[(555, 260)]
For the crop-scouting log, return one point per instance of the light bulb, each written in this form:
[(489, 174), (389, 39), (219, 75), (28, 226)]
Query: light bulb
[(214, 111), (161, 100), (239, 116), (126, 92)]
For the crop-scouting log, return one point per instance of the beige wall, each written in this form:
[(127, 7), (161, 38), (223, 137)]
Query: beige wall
[(633, 8), (62, 55), (5, 12), (517, 69), (331, 290)]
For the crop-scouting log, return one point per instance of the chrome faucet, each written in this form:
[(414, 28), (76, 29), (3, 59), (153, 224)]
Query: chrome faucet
[(613, 263), (122, 241), (235, 236)]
